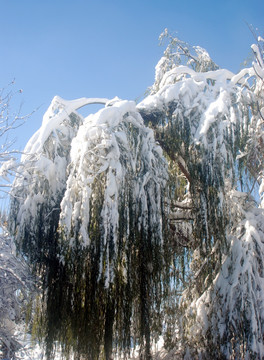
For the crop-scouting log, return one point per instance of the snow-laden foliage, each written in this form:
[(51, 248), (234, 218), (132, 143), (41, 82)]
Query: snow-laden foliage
[(140, 218), (88, 212), (230, 314), (202, 121), (16, 289), (43, 174), (205, 121), (256, 143), (178, 53)]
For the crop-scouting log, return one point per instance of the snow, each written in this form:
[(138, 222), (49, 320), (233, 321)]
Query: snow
[(259, 58), (219, 106), (58, 110), (69, 157), (240, 283), (7, 167), (96, 149), (16, 285), (209, 94), (261, 188)]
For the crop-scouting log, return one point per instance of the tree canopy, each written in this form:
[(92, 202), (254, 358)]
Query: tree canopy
[(140, 219)]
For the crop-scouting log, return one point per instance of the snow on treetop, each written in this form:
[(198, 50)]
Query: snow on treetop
[(209, 93), (103, 146), (58, 110)]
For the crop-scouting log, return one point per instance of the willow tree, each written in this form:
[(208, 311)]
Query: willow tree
[(211, 123), (88, 213), (132, 215)]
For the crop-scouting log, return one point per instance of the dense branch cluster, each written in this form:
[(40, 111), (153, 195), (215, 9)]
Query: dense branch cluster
[(16, 291)]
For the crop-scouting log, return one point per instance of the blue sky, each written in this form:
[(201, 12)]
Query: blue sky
[(104, 48)]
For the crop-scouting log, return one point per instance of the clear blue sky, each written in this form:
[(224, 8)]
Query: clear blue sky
[(107, 48)]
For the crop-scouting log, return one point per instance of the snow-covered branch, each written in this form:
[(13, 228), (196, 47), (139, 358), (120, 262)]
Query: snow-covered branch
[(16, 289), (58, 110), (9, 122)]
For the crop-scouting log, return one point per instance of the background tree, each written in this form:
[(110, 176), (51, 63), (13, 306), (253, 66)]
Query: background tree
[(16, 284), (9, 122), (16, 290)]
